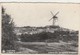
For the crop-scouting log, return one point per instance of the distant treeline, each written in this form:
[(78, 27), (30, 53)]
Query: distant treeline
[(50, 37)]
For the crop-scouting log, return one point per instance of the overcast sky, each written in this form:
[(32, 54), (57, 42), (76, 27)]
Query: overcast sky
[(38, 14)]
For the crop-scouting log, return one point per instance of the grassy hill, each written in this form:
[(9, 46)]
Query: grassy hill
[(47, 39), (49, 33)]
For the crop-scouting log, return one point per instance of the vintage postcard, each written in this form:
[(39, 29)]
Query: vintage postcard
[(40, 28)]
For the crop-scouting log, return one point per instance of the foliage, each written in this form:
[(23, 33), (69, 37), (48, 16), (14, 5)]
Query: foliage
[(8, 35), (50, 37)]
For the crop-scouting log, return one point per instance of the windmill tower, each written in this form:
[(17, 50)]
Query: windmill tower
[(54, 18)]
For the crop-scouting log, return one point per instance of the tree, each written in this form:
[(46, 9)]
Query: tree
[(8, 35)]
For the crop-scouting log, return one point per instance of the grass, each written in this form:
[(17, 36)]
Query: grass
[(41, 47)]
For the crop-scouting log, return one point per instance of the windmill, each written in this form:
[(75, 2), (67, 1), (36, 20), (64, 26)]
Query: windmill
[(54, 18)]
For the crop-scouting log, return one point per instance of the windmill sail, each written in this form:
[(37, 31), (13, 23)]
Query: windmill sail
[(56, 13), (51, 19)]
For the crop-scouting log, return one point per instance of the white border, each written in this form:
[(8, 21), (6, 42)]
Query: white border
[(58, 1), (71, 1)]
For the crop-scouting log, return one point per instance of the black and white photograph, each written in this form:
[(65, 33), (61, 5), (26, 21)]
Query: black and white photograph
[(40, 28)]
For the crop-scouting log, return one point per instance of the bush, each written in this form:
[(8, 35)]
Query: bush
[(50, 37)]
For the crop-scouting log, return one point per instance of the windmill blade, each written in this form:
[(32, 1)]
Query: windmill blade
[(51, 19), (56, 13), (52, 13)]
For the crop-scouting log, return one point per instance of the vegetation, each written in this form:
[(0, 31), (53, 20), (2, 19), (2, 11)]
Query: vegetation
[(50, 37), (8, 35)]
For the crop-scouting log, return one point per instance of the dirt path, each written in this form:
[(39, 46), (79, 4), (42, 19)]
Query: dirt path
[(27, 51)]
